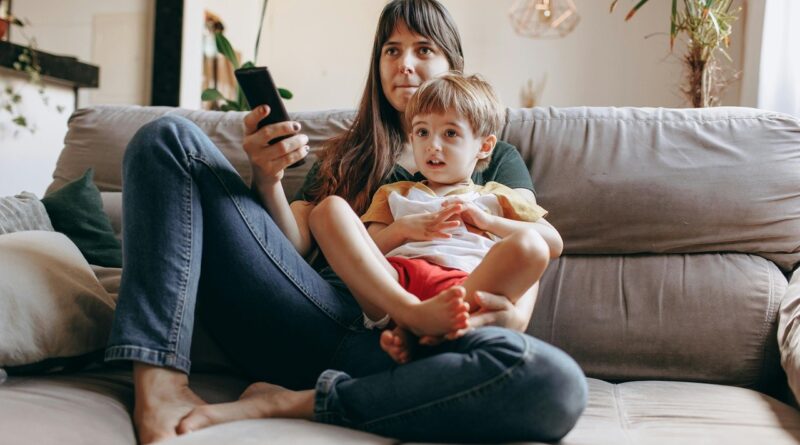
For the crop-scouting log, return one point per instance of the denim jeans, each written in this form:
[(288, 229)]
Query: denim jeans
[(196, 235)]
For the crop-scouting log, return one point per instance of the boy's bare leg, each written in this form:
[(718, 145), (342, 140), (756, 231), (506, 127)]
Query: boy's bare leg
[(353, 255), (162, 399), (259, 400), (510, 267)]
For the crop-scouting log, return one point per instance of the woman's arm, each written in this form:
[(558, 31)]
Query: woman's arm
[(268, 163)]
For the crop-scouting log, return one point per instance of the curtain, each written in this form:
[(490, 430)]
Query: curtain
[(779, 73)]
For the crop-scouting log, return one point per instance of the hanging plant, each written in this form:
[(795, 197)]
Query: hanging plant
[(28, 63), (708, 26)]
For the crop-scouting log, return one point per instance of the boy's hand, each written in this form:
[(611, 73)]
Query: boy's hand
[(429, 226), (474, 216)]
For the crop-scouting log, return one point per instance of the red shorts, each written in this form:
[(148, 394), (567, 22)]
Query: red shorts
[(423, 278)]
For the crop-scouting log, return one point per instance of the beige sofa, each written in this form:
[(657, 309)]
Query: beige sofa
[(681, 229)]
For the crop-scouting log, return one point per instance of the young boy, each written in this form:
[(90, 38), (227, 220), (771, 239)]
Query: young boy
[(455, 232)]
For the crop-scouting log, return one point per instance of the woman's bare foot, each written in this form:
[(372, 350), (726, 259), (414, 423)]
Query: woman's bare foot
[(396, 343), (259, 400), (162, 399), (446, 312)]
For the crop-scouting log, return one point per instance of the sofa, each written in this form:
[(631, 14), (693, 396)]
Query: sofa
[(675, 291)]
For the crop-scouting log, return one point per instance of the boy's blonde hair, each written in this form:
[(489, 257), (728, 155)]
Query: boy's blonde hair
[(470, 97)]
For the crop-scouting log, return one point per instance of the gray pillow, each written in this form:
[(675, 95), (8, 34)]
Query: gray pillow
[(22, 213)]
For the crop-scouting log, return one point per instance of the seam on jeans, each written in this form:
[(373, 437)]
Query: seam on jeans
[(148, 355), (526, 355), (183, 283), (267, 251)]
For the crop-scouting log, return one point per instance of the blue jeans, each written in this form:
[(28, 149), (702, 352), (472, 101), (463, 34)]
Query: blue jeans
[(196, 235)]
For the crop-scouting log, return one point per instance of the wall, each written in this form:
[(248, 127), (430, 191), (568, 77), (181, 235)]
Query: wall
[(115, 35), (323, 56)]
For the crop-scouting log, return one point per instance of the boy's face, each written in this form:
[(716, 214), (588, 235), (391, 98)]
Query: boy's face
[(445, 147)]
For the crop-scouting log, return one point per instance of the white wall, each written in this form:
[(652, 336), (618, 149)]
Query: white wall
[(115, 35), (323, 56)]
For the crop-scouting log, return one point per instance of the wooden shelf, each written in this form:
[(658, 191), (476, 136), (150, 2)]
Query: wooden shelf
[(60, 69)]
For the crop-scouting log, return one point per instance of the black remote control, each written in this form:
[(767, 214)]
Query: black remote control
[(259, 89)]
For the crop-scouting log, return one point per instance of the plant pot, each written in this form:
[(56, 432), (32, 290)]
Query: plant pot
[(3, 28)]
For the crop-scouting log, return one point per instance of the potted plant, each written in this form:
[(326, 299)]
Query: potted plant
[(28, 63), (708, 26), (223, 46), (5, 22)]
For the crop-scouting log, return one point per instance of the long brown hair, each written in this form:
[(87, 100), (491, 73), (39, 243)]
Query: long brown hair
[(354, 164)]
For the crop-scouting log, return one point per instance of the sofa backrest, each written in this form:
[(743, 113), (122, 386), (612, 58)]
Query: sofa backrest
[(678, 225)]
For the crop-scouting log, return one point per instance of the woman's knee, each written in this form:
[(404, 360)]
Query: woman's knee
[(544, 390), (162, 135), (555, 390)]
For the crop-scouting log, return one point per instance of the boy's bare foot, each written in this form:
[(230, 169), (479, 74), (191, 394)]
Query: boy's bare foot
[(395, 342), (259, 400), (162, 399), (444, 313)]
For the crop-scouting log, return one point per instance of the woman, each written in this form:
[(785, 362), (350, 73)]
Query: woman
[(186, 210)]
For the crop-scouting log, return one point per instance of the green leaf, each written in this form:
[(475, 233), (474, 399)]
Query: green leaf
[(236, 106), (211, 94), (16, 98), (673, 25), (248, 64), (635, 8), (21, 121), (284, 93), (225, 48)]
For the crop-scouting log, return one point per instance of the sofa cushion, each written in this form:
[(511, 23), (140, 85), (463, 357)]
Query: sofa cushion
[(76, 210), (97, 138), (700, 317), (69, 409), (51, 304), (646, 180), (23, 212)]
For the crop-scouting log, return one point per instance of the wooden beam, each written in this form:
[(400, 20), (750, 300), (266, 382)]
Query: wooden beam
[(167, 42)]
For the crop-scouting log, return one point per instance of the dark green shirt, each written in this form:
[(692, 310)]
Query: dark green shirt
[(505, 167)]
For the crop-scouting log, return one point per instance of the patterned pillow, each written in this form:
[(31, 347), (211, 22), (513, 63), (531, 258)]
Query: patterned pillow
[(22, 213)]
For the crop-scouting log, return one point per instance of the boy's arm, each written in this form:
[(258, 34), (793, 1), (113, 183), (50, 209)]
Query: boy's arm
[(419, 227), (386, 236)]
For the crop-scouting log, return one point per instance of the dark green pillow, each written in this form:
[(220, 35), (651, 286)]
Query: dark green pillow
[(76, 210)]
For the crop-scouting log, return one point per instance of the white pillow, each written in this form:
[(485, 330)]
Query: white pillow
[(51, 303)]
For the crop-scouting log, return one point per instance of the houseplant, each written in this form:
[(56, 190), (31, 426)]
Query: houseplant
[(28, 63), (224, 47), (707, 25)]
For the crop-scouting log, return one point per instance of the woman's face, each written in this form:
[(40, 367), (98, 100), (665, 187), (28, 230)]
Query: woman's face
[(407, 60)]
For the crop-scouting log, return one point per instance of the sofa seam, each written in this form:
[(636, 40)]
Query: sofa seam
[(623, 423), (646, 120), (766, 324)]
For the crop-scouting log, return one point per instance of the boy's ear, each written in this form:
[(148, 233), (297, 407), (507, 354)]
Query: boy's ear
[(487, 146)]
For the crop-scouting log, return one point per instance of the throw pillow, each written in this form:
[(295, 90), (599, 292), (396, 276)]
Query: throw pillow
[(76, 210), (23, 212), (51, 304)]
